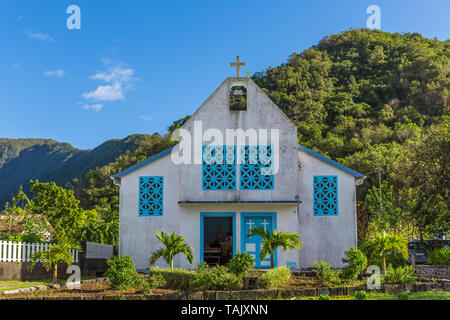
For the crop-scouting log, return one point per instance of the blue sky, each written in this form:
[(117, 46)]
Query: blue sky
[(135, 66)]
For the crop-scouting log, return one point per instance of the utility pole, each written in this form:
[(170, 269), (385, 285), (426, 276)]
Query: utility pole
[(380, 171)]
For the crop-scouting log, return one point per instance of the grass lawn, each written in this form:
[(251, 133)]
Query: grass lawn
[(17, 284), (426, 295)]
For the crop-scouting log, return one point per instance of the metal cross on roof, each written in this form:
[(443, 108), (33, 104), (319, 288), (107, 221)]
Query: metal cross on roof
[(238, 65)]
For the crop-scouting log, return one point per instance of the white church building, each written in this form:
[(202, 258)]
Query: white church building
[(216, 188)]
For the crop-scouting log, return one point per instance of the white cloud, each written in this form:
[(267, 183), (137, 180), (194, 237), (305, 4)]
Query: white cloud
[(96, 107), (115, 74), (38, 35), (146, 118), (56, 73), (118, 79), (106, 93)]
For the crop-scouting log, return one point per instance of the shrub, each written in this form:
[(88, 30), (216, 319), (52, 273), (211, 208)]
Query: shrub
[(156, 281), (400, 275), (215, 278), (123, 275), (176, 278), (402, 296), (275, 278), (439, 256), (241, 264), (324, 297), (356, 263), (360, 295), (395, 259), (326, 275)]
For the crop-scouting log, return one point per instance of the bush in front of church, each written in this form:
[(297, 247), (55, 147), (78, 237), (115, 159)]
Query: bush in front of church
[(123, 275), (356, 262), (275, 278), (241, 264), (214, 278), (176, 278), (326, 275)]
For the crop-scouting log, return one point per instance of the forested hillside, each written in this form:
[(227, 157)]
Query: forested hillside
[(24, 159)]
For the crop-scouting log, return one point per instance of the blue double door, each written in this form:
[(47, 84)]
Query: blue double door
[(253, 244)]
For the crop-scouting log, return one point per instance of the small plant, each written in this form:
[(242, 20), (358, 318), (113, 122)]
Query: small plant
[(272, 240), (176, 278), (356, 263), (400, 275), (173, 245), (275, 278), (402, 296), (326, 275), (360, 295), (324, 297), (439, 256), (123, 275), (156, 281), (241, 264), (56, 253), (215, 278), (383, 244)]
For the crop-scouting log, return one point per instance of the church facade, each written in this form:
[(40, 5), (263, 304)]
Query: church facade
[(238, 164)]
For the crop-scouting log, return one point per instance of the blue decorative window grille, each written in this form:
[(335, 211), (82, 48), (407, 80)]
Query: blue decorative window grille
[(219, 168), (151, 196), (325, 196), (256, 168)]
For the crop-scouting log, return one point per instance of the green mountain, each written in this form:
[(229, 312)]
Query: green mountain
[(47, 160)]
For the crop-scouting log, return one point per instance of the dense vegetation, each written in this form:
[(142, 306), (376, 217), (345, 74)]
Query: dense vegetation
[(368, 99), (47, 160)]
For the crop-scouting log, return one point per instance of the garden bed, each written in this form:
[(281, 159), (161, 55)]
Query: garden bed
[(299, 287)]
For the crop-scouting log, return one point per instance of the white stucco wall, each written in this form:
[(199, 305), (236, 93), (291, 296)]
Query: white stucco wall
[(325, 237)]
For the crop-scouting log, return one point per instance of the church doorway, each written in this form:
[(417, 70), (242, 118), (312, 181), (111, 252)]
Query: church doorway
[(217, 237)]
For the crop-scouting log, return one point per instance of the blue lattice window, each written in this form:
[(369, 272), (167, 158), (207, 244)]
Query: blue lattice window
[(219, 168), (256, 171), (325, 196), (151, 196)]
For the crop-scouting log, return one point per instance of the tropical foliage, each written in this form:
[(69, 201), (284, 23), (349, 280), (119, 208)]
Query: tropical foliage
[(383, 244), (272, 240), (58, 253), (173, 244)]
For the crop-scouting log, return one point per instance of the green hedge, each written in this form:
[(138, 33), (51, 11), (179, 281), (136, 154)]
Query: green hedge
[(176, 278), (439, 256), (275, 278)]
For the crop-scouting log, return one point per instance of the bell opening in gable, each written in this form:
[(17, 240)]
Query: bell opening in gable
[(238, 98)]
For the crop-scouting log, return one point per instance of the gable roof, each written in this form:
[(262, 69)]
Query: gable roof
[(331, 162), (143, 163)]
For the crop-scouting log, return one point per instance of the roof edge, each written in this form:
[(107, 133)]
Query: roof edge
[(143, 163), (331, 162)]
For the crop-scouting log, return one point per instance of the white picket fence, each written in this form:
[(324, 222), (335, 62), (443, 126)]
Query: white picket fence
[(21, 252)]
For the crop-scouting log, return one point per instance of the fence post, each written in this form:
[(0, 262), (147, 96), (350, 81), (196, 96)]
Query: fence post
[(9, 251)]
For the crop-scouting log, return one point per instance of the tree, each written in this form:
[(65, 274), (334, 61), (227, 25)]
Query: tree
[(382, 244), (60, 207), (272, 240), (173, 245), (57, 253)]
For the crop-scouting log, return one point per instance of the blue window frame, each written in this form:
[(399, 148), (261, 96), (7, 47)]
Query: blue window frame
[(325, 195), (151, 196), (219, 168), (256, 172)]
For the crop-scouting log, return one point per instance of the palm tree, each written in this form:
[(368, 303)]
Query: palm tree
[(59, 252), (273, 240), (382, 244), (173, 245)]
